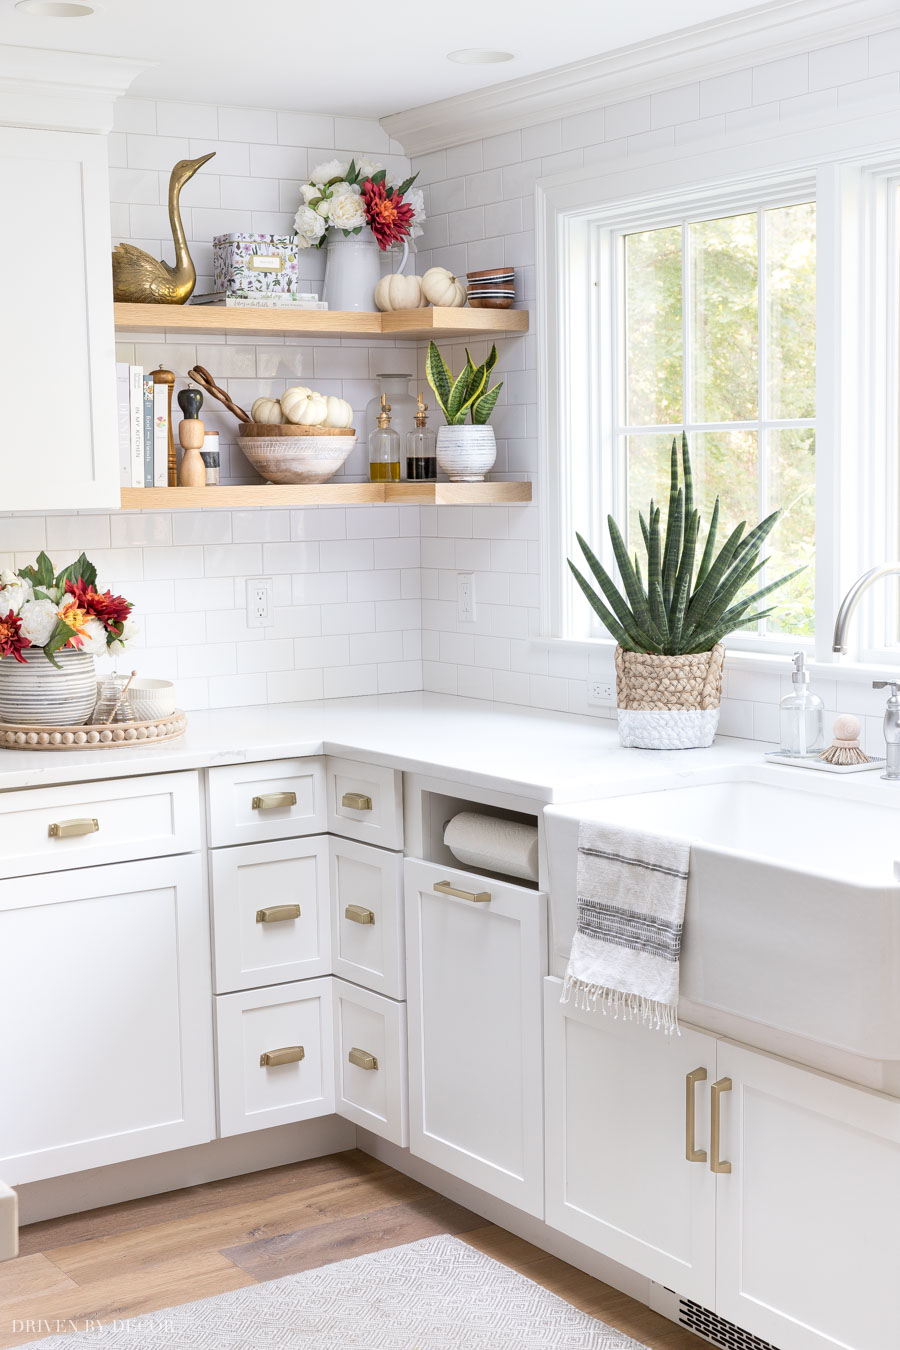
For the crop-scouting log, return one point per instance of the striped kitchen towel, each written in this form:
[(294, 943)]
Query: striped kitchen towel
[(627, 945)]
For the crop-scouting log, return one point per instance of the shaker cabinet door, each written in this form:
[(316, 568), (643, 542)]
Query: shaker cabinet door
[(57, 346)]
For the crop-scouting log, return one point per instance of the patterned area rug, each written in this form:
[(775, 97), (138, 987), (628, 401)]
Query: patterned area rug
[(438, 1294)]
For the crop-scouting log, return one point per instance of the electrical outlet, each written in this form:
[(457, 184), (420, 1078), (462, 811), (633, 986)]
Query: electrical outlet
[(465, 597), (259, 602), (601, 691)]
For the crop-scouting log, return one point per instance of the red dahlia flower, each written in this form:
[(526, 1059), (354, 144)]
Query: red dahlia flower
[(388, 214), (111, 610), (11, 640)]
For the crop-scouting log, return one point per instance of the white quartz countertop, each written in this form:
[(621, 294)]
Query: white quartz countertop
[(551, 757)]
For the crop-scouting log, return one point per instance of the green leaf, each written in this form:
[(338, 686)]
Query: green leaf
[(407, 184), (379, 177), (683, 581), (82, 568), (688, 478), (645, 533), (597, 605), (636, 597), (611, 591), (730, 615), (672, 551), (484, 406), (464, 391), (708, 551), (43, 574), (59, 637), (438, 375), (704, 593)]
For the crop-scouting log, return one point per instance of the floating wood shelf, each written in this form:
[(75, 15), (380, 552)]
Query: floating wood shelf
[(327, 494), (400, 323)]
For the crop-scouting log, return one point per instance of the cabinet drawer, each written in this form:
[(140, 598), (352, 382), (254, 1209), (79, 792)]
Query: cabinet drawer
[(83, 824), (365, 802), (370, 1061), (270, 913), (298, 1083), (278, 799), (368, 941)]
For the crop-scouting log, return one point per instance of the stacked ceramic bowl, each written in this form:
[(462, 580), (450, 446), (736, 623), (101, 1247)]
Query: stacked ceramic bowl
[(491, 288)]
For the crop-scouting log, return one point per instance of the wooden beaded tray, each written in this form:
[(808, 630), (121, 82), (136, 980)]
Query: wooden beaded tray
[(88, 737)]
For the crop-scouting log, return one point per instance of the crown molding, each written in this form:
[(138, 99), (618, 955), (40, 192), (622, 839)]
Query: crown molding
[(71, 91), (765, 33)]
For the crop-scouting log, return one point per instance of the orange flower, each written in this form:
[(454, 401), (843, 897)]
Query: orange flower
[(12, 643), (76, 619)]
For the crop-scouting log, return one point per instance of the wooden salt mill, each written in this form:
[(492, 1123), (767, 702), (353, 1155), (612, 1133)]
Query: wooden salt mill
[(191, 432), (163, 376)]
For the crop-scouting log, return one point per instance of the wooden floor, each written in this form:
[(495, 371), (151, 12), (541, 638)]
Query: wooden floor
[(148, 1254)]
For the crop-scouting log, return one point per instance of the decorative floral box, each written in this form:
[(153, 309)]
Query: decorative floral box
[(255, 262)]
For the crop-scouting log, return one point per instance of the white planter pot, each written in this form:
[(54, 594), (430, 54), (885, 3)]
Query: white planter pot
[(352, 269), (668, 702), (466, 453), (37, 694)]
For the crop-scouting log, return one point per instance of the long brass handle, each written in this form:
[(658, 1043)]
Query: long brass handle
[(277, 913), (362, 1059), (691, 1151), (356, 801), (478, 897), (67, 829), (288, 1054), (716, 1163), (359, 914), (268, 801)]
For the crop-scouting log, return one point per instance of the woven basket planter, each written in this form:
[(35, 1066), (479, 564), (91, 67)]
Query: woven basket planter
[(668, 702)]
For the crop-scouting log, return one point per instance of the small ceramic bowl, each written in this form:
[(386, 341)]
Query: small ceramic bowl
[(150, 699)]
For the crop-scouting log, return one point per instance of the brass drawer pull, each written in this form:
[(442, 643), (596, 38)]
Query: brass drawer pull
[(356, 801), (478, 897), (362, 1059), (691, 1152), (277, 913), (716, 1163), (269, 800), (359, 914), (68, 829), (288, 1054)]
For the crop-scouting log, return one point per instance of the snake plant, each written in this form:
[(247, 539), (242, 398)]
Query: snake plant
[(680, 609), (468, 392)]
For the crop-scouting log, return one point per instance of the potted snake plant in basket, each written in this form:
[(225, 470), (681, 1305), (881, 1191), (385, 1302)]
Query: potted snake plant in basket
[(669, 627), (465, 451)]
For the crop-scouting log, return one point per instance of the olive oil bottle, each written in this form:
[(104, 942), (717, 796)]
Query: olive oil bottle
[(421, 447), (384, 448)]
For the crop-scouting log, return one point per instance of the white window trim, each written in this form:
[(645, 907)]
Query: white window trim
[(848, 168)]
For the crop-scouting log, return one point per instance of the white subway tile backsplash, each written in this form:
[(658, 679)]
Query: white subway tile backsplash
[(183, 119), (840, 64), (675, 105), (725, 93), (503, 149), (305, 129), (781, 79)]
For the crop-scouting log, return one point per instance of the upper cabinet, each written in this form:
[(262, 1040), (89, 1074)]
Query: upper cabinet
[(57, 347)]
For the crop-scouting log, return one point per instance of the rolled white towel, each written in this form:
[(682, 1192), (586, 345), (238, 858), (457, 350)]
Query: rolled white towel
[(494, 845)]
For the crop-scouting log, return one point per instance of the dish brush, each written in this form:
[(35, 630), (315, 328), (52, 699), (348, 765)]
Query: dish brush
[(844, 749)]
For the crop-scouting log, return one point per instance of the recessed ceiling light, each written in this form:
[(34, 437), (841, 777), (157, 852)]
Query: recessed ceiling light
[(57, 9), (478, 56)]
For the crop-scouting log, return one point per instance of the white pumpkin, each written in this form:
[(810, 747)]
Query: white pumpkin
[(441, 287), (267, 410), (397, 292), (339, 414), (303, 407)]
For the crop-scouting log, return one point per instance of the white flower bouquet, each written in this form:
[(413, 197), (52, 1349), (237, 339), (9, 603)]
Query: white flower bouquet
[(55, 611), (351, 196)]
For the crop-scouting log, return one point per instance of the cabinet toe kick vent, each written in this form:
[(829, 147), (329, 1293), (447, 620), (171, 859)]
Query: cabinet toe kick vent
[(702, 1322)]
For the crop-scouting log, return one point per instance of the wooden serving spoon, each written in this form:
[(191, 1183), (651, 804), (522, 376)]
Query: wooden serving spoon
[(206, 381)]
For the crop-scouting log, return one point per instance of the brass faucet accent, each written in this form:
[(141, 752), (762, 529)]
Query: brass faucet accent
[(144, 280)]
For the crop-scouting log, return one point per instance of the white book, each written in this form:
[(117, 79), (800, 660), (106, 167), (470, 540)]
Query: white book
[(123, 382), (136, 423), (160, 435)]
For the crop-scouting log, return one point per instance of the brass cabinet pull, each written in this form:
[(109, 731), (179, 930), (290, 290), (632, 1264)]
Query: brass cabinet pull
[(359, 914), (288, 1054), (691, 1151), (716, 1163), (357, 801), (67, 829), (269, 800), (362, 1059), (277, 913), (478, 897)]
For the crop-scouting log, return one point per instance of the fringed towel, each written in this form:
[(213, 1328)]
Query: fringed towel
[(626, 948)]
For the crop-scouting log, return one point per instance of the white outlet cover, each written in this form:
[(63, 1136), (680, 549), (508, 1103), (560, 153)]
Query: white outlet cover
[(260, 601)]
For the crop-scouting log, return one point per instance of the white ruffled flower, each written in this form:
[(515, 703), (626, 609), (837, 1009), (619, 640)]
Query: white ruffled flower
[(347, 212), (130, 630), (368, 166), (39, 620), (8, 577), (14, 594), (310, 190), (332, 168), (345, 189), (309, 226), (93, 638), (415, 198)]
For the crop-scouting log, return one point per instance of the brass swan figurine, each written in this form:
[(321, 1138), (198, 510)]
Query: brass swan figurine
[(140, 279)]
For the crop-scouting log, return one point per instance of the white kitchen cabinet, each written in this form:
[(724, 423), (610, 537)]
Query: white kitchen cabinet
[(56, 225), (365, 802), (368, 940), (107, 1045), (275, 799), (618, 1098), (370, 1072), (476, 952), (808, 1244), (271, 919)]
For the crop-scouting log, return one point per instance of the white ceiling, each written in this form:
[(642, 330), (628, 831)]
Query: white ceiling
[(356, 57)]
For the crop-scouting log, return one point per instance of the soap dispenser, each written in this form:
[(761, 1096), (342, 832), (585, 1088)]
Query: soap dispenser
[(802, 715)]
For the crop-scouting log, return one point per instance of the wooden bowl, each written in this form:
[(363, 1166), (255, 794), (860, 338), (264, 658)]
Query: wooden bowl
[(294, 454), (491, 275), (488, 302)]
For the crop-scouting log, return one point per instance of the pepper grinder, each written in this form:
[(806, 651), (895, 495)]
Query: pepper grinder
[(191, 433), (163, 376)]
